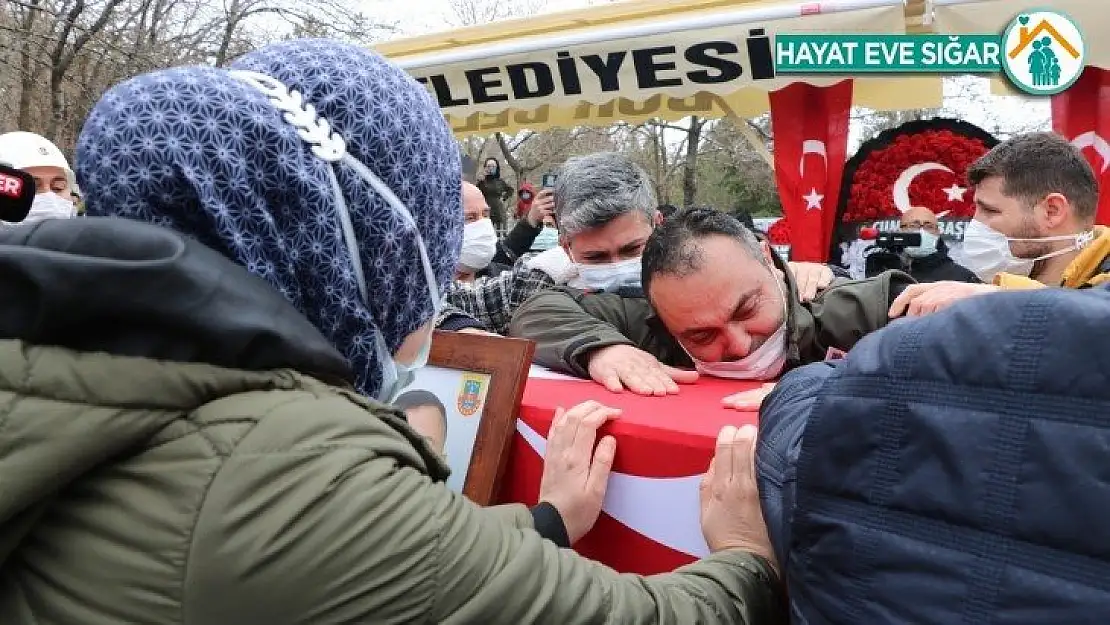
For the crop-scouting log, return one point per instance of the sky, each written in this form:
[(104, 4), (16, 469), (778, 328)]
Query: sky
[(417, 17)]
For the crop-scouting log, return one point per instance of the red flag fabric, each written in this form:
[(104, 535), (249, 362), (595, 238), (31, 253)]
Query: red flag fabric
[(810, 127), (1082, 114)]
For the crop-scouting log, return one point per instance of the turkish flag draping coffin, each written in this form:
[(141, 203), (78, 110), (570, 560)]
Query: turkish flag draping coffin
[(636, 553), (650, 519), (810, 131), (1082, 114)]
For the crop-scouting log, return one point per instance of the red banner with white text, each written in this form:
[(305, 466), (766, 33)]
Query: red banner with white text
[(810, 128), (1082, 114)]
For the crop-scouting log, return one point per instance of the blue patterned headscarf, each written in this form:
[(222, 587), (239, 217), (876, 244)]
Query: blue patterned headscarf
[(209, 154)]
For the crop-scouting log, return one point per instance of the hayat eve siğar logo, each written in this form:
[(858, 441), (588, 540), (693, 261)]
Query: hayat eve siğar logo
[(1043, 52)]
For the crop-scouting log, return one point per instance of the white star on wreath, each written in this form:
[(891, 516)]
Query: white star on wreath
[(955, 193)]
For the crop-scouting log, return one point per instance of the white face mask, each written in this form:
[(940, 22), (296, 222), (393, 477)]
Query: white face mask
[(928, 245), (764, 363), (330, 147), (607, 277), (479, 245), (986, 251), (50, 205)]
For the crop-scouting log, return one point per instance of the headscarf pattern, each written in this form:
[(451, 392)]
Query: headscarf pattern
[(208, 155)]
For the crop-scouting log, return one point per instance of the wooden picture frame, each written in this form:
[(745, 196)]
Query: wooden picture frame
[(504, 362)]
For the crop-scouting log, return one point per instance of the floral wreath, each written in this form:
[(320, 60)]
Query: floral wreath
[(871, 176), (927, 159), (779, 233)]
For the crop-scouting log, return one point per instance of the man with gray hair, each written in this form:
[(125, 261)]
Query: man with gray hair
[(604, 211), (714, 298)]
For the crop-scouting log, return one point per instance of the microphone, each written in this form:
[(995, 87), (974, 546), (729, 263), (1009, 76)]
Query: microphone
[(17, 193)]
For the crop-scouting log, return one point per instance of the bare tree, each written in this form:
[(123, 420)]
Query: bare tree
[(531, 152), (321, 18), (57, 57), (476, 12)]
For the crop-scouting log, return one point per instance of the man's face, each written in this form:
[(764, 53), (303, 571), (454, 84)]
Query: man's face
[(917, 219), (491, 167), (1009, 216), (474, 204), (620, 239), (429, 422), (50, 179), (727, 308)]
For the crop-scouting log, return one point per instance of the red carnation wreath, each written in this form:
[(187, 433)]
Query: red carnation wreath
[(779, 233), (871, 196)]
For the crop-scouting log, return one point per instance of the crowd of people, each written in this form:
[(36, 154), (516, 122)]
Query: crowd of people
[(207, 382)]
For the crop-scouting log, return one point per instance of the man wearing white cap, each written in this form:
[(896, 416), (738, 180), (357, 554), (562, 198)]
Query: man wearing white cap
[(54, 180)]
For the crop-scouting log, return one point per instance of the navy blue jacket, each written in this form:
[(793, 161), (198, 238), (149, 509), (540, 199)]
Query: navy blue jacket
[(953, 469)]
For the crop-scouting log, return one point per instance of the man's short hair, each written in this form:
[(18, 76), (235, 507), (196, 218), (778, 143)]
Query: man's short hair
[(422, 399), (595, 189), (667, 210), (671, 249), (1036, 164)]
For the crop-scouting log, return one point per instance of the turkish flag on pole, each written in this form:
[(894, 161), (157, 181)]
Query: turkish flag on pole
[(810, 128), (1082, 114)]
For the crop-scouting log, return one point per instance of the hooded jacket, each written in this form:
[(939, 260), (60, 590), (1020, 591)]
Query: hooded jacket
[(951, 469), (179, 445)]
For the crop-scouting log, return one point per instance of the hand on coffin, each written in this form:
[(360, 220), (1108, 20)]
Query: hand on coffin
[(618, 367), (731, 516), (749, 400), (575, 474)]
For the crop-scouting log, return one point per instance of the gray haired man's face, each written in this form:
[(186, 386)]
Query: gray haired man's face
[(620, 239)]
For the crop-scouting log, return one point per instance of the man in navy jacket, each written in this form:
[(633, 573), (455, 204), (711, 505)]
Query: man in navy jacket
[(952, 469)]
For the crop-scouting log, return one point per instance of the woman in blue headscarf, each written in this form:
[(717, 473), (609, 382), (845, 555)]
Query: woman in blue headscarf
[(182, 438)]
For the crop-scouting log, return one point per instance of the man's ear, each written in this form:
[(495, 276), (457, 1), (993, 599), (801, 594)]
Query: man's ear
[(768, 253), (658, 219), (1056, 210)]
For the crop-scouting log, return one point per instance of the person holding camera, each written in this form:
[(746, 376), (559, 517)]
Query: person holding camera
[(918, 250)]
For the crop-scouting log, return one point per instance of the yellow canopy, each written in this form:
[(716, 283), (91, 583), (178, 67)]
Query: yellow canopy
[(665, 58)]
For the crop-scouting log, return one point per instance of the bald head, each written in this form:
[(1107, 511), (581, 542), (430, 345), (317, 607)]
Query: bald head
[(919, 218), (474, 203)]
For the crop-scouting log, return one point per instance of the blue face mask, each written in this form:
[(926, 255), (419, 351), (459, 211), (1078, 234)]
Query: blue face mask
[(927, 248), (396, 377), (331, 148)]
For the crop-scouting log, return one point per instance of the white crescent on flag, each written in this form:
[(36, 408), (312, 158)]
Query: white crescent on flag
[(1092, 139), (812, 146), (665, 510)]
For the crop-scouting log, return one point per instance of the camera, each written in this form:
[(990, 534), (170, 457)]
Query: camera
[(886, 251), (898, 241), (549, 181)]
